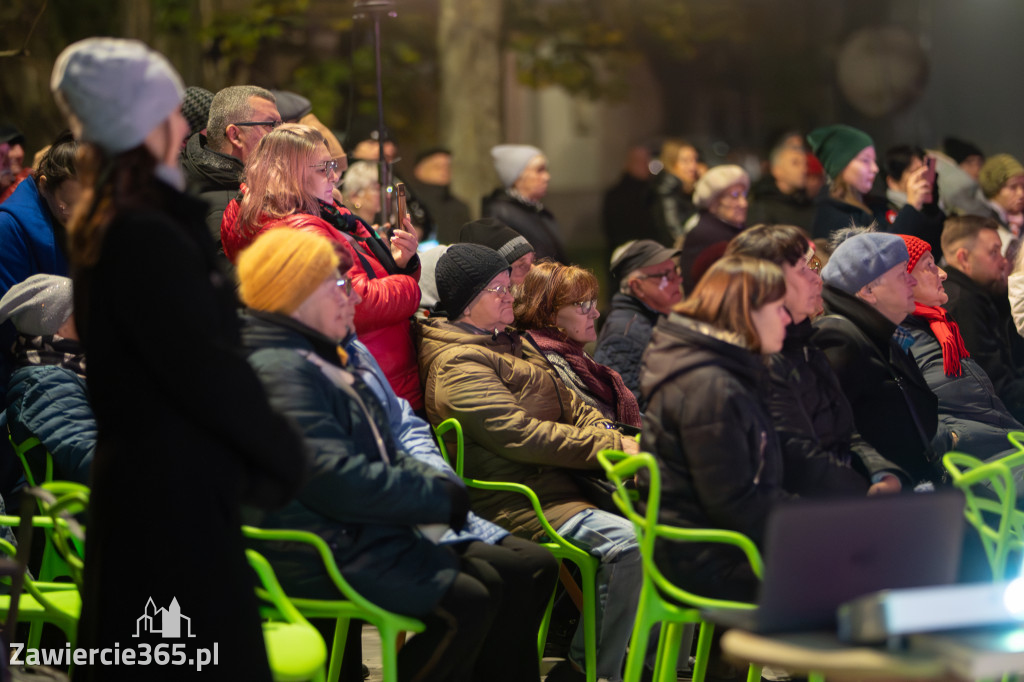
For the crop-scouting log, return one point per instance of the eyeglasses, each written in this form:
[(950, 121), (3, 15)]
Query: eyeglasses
[(584, 307), (500, 290), (345, 285), (251, 124), (663, 276), (327, 167), (735, 195)]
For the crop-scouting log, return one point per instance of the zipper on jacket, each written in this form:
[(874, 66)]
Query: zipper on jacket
[(760, 464)]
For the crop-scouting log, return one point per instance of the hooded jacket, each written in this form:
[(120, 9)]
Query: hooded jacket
[(893, 407), (388, 300), (519, 422), (365, 494), (708, 424)]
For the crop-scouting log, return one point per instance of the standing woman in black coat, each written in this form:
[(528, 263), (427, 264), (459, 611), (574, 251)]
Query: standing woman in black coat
[(185, 434)]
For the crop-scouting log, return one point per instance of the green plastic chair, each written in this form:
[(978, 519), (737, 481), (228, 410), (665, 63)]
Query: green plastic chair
[(561, 548), (295, 648), (39, 602), (22, 449), (349, 605), (662, 601), (998, 521)]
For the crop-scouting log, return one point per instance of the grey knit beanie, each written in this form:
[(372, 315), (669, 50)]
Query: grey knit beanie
[(462, 272), (862, 259), (510, 160), (114, 91), (39, 305)]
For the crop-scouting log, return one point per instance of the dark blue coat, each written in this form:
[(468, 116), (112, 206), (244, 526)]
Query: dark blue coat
[(366, 508)]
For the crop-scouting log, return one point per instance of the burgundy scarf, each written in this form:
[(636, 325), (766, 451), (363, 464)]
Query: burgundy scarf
[(947, 332), (604, 382)]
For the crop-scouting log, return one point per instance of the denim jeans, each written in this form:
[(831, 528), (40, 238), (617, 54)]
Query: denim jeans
[(611, 539)]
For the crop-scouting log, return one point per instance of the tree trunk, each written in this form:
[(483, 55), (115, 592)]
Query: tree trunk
[(469, 49)]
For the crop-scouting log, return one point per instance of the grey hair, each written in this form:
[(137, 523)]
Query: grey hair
[(231, 105), (844, 233), (358, 177), (624, 287)]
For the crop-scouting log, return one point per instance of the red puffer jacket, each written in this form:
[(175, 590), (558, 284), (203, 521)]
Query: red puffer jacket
[(388, 301)]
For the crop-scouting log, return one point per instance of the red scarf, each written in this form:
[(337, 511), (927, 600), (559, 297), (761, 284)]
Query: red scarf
[(947, 332), (604, 382)]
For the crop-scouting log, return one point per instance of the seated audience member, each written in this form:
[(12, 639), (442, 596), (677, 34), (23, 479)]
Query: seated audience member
[(958, 167), (780, 197), (13, 169), (1002, 184), (557, 304), (968, 404), (360, 187), (524, 175), (868, 293), (289, 181), (669, 201), (367, 495), (822, 451), (47, 397), (910, 196), (522, 425), (721, 198), (708, 424), (512, 246), (240, 115), (976, 287), (431, 181), (848, 156), (32, 229), (648, 288), (965, 154)]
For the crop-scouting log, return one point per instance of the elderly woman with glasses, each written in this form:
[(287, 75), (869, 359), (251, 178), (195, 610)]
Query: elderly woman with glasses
[(361, 189), (289, 181), (721, 198), (521, 424), (557, 304)]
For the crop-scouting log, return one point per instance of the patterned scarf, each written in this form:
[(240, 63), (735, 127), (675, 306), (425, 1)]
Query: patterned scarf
[(604, 382), (947, 332), (50, 350)]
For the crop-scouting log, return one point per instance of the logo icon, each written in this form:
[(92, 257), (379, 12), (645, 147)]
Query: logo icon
[(165, 622)]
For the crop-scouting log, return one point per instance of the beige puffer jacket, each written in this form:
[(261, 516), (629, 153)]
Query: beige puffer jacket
[(520, 423)]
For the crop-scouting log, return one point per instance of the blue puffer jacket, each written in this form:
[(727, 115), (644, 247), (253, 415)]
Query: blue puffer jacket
[(52, 404)]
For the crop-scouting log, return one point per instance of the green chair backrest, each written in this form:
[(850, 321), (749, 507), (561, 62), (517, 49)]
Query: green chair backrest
[(998, 522), (22, 449), (620, 467)]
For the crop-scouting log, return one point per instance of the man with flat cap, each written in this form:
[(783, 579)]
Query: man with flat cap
[(649, 286)]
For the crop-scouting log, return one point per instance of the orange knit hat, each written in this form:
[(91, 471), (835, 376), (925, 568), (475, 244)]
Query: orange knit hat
[(283, 267)]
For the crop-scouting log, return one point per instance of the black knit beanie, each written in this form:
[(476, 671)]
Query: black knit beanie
[(498, 236), (463, 272)]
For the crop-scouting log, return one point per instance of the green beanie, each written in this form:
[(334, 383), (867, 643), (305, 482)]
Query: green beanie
[(835, 146), (996, 172)]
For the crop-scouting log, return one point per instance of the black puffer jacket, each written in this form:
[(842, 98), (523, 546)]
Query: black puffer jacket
[(623, 338), (536, 224), (990, 336), (213, 177), (721, 466), (968, 404), (769, 206), (893, 408), (822, 451)]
